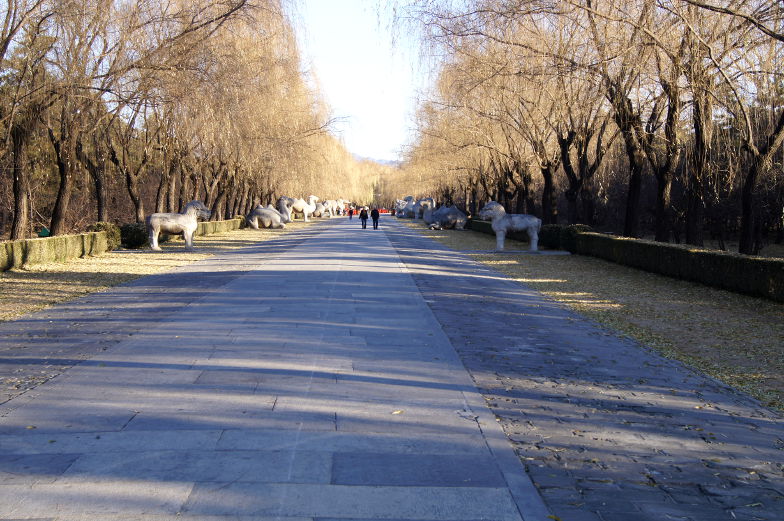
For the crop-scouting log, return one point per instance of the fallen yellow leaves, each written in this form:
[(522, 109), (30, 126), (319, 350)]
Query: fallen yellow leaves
[(732, 337), (40, 286)]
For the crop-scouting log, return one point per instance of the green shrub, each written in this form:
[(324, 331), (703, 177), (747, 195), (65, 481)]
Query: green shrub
[(568, 236), (731, 271), (7, 254), (113, 238), (482, 226), (133, 235), (550, 236), (15, 254)]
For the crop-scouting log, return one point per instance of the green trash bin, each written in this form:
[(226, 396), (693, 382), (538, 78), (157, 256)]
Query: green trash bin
[(44, 232)]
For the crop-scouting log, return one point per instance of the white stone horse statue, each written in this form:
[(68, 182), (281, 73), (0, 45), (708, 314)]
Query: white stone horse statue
[(504, 223), (184, 223), (266, 217)]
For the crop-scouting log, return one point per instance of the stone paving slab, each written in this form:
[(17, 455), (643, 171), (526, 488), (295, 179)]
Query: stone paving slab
[(303, 380), (608, 429)]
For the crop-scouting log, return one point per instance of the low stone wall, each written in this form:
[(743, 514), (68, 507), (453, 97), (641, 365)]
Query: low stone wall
[(16, 254), (210, 227), (756, 276)]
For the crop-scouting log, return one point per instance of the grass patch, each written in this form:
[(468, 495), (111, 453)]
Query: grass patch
[(734, 338), (26, 290)]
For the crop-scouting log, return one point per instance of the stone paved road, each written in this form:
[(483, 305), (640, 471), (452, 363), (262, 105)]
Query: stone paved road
[(303, 379), (608, 430), (309, 379)]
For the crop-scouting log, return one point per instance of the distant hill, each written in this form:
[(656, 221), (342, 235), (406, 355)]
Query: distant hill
[(386, 162)]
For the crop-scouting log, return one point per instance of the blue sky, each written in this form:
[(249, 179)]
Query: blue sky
[(367, 81)]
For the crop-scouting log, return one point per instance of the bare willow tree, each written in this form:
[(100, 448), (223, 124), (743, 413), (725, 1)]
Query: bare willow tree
[(690, 87)]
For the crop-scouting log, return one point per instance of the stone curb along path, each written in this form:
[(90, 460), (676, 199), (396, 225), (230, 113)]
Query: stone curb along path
[(298, 380), (608, 429)]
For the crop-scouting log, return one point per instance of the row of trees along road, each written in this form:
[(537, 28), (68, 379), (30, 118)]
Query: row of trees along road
[(642, 115), (113, 109)]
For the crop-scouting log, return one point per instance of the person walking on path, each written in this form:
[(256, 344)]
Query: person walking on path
[(363, 216), (375, 215), (350, 213)]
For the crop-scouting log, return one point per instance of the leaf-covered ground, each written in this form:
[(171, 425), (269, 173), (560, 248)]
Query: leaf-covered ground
[(732, 337), (23, 291)]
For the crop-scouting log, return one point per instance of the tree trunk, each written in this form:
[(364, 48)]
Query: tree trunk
[(185, 190), (161, 193), (631, 224), (695, 213), (588, 205), (549, 200), (97, 171), (134, 191), (663, 206), (195, 190), (66, 166), (21, 184), (565, 144), (217, 203), (702, 122), (172, 194), (626, 119), (242, 201), (748, 216)]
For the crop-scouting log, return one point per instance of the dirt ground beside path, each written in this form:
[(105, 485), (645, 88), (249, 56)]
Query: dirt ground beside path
[(732, 337), (24, 291)]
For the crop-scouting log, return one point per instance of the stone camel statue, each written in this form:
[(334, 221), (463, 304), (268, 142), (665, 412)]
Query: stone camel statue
[(184, 223), (303, 207), (332, 206), (320, 211), (504, 223), (266, 217)]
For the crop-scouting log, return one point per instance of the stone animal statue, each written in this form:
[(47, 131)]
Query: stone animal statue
[(321, 210), (448, 217), (265, 217), (184, 223), (284, 208), (303, 207), (272, 208), (333, 206), (504, 223), (399, 205), (428, 208), (405, 207), (421, 204)]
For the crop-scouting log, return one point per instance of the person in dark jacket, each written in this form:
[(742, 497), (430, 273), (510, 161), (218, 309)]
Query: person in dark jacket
[(375, 215), (350, 213), (363, 216)]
